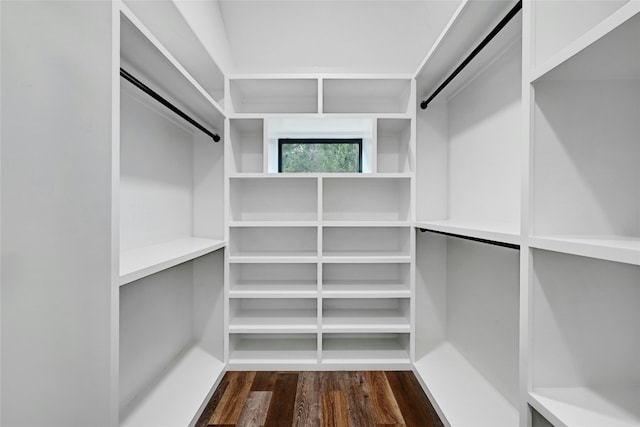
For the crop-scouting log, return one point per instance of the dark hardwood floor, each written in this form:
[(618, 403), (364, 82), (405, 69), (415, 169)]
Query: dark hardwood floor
[(314, 399)]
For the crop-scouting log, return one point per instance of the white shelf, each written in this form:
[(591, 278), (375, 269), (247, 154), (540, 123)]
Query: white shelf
[(146, 58), (366, 259), (366, 95), (496, 231), (360, 320), (285, 320), (279, 290), (606, 49), (140, 262), (612, 248), (462, 394), (365, 289), (273, 95), (363, 349), (238, 224), (268, 349), (262, 259), (468, 25), (588, 407), (177, 397)]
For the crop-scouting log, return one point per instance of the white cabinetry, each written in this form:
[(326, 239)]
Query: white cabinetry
[(169, 191), (319, 264), (533, 146)]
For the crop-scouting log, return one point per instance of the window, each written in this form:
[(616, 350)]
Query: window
[(320, 155)]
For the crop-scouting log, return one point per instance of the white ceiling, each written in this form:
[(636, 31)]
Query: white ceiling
[(333, 36)]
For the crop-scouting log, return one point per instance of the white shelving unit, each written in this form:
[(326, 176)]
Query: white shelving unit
[(584, 373), (469, 153), (171, 218), (586, 192), (320, 264), (467, 329), (533, 145)]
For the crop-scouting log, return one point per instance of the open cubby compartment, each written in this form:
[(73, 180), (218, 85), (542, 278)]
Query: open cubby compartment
[(366, 315), (268, 349), (470, 143), (170, 187), (273, 241), (586, 151), (537, 420), (273, 95), (366, 242), (467, 328), (395, 149), (366, 198), (366, 348), (367, 95), (273, 279), (254, 315), (274, 199), (171, 341), (355, 280), (168, 22), (585, 341), (144, 57), (246, 142), (558, 23)]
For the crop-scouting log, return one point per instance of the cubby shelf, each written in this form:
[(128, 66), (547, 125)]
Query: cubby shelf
[(183, 387), (269, 349), (140, 262), (365, 349)]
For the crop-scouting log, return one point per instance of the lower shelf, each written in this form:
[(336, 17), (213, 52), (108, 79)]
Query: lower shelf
[(273, 349), (365, 349), (581, 406), (178, 396), (463, 396)]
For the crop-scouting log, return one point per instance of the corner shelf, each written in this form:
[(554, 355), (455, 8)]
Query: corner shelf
[(140, 262)]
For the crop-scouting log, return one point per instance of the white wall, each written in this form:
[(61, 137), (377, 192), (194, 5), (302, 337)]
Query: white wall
[(56, 214)]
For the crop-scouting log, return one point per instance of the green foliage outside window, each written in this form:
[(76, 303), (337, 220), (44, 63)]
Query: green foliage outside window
[(320, 156)]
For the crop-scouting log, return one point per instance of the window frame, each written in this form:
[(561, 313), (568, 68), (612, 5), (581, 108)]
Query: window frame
[(282, 141)]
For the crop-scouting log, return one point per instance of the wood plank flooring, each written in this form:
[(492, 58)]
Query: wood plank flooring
[(319, 399)]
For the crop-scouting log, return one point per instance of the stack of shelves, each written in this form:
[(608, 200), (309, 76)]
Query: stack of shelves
[(468, 184), (169, 186), (319, 264), (585, 237), (543, 336)]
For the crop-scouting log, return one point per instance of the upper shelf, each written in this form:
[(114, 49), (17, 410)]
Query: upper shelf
[(142, 54), (606, 52), (471, 22)]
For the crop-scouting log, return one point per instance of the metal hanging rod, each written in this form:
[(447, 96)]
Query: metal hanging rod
[(475, 239), (146, 89), (514, 10)]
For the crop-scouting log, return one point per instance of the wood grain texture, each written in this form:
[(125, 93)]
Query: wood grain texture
[(254, 412), (307, 406), (264, 381), (233, 399), (385, 407), (311, 399), (335, 409), (283, 400), (358, 399), (412, 400), (203, 421)]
